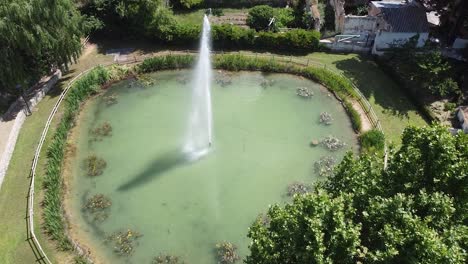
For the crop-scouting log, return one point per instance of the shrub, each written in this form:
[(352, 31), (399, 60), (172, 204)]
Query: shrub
[(217, 12), (299, 39), (284, 17), (372, 141), (225, 36), (260, 16), (443, 87)]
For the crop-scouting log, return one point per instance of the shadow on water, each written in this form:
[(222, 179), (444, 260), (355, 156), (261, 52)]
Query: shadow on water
[(165, 162)]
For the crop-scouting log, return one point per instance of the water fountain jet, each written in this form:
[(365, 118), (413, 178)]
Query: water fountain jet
[(199, 134)]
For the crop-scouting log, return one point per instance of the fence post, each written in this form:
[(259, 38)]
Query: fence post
[(308, 62)]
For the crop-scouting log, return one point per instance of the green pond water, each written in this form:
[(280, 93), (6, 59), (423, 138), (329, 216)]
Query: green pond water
[(261, 145)]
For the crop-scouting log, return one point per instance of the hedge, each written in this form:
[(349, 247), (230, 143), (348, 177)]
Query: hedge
[(231, 36)]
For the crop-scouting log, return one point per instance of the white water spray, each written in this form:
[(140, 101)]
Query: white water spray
[(200, 126)]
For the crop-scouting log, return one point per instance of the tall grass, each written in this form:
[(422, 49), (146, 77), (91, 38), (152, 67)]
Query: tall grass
[(164, 63), (81, 89)]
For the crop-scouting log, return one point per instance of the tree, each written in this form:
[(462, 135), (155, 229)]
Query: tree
[(36, 36), (186, 4), (413, 212), (453, 14), (260, 16)]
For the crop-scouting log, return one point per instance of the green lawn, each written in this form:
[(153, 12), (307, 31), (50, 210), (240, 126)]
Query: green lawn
[(394, 109), (14, 248), (196, 16)]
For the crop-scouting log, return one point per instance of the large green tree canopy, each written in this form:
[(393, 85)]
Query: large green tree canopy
[(415, 211), (36, 35)]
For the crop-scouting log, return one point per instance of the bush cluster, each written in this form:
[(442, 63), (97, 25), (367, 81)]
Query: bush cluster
[(372, 141)]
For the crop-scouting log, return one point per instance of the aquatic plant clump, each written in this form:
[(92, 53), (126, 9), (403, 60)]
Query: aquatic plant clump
[(167, 259), (326, 118), (94, 165), (227, 253), (224, 79), (110, 99), (298, 188), (325, 165), (124, 242), (267, 83), (145, 80), (103, 130), (182, 79), (332, 143), (98, 206), (304, 92)]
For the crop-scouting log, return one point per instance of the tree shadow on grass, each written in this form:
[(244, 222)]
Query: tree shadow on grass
[(373, 82), (164, 163)]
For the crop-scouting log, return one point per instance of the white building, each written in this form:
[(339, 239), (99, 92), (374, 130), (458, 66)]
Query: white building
[(397, 22)]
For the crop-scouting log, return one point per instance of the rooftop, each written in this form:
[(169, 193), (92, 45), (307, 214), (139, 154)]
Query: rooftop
[(402, 16)]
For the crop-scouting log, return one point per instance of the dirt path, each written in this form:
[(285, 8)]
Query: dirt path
[(366, 124)]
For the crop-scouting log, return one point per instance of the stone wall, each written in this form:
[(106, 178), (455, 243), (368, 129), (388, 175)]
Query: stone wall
[(359, 25)]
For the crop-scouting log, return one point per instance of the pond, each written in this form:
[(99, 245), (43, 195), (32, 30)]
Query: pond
[(262, 135)]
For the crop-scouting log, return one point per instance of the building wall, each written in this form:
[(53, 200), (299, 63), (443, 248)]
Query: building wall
[(384, 40), (359, 25)]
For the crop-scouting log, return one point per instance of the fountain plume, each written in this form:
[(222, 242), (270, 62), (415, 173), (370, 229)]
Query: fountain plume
[(199, 135)]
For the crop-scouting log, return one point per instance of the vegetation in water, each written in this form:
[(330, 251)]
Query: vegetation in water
[(95, 165), (104, 130), (110, 99), (145, 80), (182, 79), (332, 143), (304, 92), (124, 242), (98, 206), (325, 166), (227, 253), (267, 83), (224, 79), (167, 259), (415, 208), (298, 188), (326, 118)]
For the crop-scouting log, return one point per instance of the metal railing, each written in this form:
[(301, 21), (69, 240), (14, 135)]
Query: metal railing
[(135, 59)]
